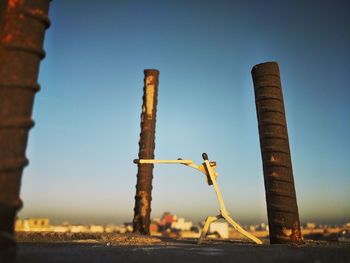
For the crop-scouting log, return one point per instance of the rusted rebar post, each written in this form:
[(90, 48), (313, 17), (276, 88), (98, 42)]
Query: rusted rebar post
[(22, 28), (282, 209), (143, 197)]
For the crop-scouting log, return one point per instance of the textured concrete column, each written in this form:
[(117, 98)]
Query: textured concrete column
[(22, 29), (281, 200), (143, 197)]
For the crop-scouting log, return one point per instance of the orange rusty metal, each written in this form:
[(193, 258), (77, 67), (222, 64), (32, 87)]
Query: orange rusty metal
[(284, 225), (22, 28), (143, 197)]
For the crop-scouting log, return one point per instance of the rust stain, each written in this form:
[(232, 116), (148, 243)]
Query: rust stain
[(273, 159), (144, 202), (150, 89), (143, 113), (287, 231), (14, 3), (36, 12), (297, 232), (7, 38)]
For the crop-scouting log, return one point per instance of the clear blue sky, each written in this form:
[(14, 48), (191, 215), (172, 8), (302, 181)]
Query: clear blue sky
[(88, 112)]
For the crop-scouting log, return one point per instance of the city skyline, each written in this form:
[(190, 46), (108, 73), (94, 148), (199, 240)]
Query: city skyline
[(170, 225), (155, 220), (87, 113)]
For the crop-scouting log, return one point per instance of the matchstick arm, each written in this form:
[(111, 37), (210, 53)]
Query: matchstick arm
[(180, 161), (188, 162)]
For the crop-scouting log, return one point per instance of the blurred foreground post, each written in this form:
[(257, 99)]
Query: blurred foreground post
[(282, 209), (22, 29), (143, 197)]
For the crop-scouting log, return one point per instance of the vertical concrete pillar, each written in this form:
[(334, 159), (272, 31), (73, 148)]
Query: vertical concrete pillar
[(281, 200), (22, 29), (143, 197)]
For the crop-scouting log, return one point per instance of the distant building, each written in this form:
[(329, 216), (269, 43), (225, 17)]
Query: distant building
[(79, 229), (167, 219), (61, 229), (126, 227), (33, 224), (264, 226), (96, 229), (154, 229), (310, 225), (220, 228), (43, 225), (111, 228), (261, 227), (180, 224), (252, 228)]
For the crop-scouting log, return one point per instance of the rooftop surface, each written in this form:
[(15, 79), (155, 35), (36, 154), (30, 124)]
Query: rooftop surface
[(134, 248)]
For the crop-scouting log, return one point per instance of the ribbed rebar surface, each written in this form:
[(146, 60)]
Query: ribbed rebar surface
[(23, 24), (143, 197), (284, 225)]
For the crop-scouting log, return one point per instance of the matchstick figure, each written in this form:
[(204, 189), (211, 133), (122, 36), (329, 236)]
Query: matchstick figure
[(207, 168)]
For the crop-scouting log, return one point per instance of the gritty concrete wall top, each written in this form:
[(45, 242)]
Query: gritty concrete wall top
[(136, 248)]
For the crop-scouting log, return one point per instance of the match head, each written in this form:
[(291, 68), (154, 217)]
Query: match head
[(205, 156)]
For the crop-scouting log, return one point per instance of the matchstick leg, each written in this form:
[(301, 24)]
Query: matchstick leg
[(208, 221), (241, 230)]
